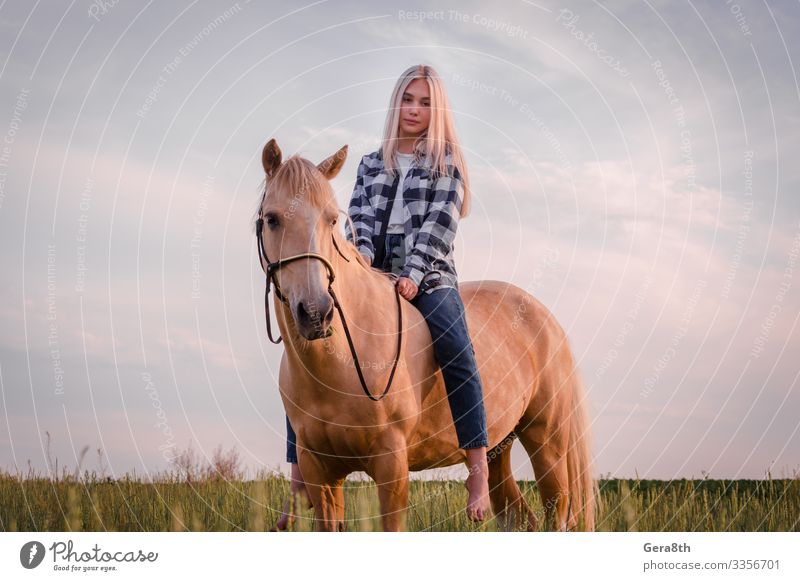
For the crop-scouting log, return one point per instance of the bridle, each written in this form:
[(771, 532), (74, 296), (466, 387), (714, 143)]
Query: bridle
[(271, 268)]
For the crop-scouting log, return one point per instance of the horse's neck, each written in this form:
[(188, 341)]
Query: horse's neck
[(369, 304)]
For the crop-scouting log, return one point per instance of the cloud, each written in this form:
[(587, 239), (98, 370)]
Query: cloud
[(585, 194)]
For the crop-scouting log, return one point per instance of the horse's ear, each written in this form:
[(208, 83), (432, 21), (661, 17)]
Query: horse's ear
[(332, 165), (271, 157)]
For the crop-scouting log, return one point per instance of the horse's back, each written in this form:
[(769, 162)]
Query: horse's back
[(494, 305), (513, 334)]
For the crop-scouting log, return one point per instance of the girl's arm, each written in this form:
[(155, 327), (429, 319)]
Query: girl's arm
[(438, 231), (363, 216)]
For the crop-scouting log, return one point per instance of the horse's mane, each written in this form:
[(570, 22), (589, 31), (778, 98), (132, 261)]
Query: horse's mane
[(299, 174)]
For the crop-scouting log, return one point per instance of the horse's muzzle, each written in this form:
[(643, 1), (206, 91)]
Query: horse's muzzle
[(314, 317)]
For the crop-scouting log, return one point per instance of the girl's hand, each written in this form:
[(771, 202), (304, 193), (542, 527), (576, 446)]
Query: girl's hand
[(407, 288)]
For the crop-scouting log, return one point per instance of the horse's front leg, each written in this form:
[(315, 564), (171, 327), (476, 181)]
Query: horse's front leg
[(325, 488), (389, 470)]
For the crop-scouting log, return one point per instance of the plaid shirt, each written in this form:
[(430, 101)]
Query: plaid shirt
[(431, 209)]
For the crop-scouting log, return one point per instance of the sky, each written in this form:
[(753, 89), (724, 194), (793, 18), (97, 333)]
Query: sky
[(633, 166)]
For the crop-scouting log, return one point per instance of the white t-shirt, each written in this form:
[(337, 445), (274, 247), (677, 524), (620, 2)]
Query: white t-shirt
[(395, 226)]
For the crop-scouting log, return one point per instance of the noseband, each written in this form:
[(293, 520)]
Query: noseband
[(271, 268)]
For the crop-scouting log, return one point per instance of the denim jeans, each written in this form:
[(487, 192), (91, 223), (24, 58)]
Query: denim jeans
[(443, 310)]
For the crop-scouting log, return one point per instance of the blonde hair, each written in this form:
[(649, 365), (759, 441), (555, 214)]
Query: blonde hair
[(438, 140)]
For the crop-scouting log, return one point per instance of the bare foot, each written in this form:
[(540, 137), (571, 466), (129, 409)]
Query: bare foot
[(478, 505), (299, 493)]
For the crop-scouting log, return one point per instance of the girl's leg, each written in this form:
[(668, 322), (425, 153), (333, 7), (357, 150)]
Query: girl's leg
[(297, 485), (444, 312), (291, 443)]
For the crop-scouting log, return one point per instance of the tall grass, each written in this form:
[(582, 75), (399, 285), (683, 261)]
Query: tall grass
[(218, 496)]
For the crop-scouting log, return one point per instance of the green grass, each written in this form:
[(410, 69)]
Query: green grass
[(217, 495), (172, 503)]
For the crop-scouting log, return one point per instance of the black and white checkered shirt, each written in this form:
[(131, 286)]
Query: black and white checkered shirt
[(431, 209)]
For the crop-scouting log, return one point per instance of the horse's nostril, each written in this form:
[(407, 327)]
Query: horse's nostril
[(303, 316), (314, 313), (315, 316)]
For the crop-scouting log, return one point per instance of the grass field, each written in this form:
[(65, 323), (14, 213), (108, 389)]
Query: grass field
[(210, 502)]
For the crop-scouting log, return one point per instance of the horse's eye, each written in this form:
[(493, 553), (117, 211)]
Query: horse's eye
[(335, 221), (272, 221)]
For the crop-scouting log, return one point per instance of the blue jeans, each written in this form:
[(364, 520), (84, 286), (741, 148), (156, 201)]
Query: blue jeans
[(443, 310)]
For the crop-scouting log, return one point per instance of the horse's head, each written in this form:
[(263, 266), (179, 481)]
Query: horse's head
[(300, 215)]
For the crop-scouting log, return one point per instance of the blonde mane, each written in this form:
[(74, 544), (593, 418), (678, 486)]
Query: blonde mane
[(298, 174)]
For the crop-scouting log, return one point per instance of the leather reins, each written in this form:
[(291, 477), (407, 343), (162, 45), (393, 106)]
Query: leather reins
[(271, 268)]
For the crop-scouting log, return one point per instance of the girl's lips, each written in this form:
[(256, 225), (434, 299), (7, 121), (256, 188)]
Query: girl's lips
[(409, 121)]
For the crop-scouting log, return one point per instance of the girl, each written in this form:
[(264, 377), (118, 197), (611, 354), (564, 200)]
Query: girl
[(397, 231)]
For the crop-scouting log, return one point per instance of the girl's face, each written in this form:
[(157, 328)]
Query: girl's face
[(415, 109)]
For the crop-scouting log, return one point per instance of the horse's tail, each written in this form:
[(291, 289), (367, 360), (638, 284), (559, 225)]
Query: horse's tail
[(583, 490)]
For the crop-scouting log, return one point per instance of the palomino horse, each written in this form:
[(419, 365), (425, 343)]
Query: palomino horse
[(532, 390)]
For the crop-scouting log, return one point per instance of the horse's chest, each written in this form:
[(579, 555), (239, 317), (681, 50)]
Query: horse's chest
[(352, 432), (338, 438)]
